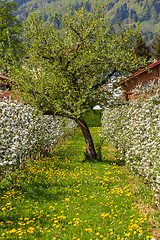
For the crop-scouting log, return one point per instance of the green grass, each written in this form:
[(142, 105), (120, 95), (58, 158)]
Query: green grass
[(62, 197)]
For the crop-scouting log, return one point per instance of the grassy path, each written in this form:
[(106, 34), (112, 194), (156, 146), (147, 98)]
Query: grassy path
[(61, 197)]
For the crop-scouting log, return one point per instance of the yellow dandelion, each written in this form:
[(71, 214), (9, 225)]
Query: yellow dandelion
[(13, 230), (127, 234)]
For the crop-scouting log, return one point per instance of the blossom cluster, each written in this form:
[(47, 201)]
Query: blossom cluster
[(24, 130), (134, 129)]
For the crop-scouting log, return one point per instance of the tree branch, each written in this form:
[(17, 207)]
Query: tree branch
[(76, 33), (104, 81)]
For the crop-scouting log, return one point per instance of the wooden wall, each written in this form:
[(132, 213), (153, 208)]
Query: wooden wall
[(142, 78)]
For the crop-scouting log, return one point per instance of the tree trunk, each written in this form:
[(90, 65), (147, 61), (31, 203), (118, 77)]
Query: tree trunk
[(88, 138)]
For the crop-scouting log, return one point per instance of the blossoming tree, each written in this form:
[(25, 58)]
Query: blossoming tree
[(25, 132), (71, 64)]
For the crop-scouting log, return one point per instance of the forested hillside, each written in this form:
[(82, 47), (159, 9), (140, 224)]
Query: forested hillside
[(147, 11)]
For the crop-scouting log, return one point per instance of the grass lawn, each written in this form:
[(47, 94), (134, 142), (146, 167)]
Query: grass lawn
[(63, 197)]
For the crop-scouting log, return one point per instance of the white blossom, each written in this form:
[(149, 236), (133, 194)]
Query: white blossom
[(134, 129), (23, 130)]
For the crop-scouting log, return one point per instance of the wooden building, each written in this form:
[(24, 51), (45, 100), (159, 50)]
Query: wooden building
[(144, 76), (4, 86)]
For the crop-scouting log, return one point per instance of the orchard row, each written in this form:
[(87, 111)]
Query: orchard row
[(24, 132), (134, 129)]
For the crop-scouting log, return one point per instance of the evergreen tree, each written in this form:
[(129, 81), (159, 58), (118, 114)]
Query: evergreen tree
[(133, 15), (10, 45), (156, 47), (141, 49)]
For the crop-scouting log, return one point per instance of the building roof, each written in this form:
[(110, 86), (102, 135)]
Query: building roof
[(3, 77), (140, 72)]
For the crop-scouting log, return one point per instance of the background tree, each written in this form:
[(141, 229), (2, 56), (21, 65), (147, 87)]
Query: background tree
[(156, 47), (71, 64), (10, 45), (141, 49)]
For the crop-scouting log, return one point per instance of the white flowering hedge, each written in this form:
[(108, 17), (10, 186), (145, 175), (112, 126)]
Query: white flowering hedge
[(134, 129), (23, 131)]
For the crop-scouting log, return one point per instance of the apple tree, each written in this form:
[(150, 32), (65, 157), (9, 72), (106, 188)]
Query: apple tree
[(72, 63)]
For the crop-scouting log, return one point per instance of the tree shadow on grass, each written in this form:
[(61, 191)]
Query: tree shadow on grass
[(33, 189), (38, 187), (33, 192), (109, 156), (42, 192), (112, 161)]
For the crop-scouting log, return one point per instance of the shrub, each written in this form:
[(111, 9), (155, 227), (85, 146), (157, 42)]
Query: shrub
[(134, 130), (93, 117)]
